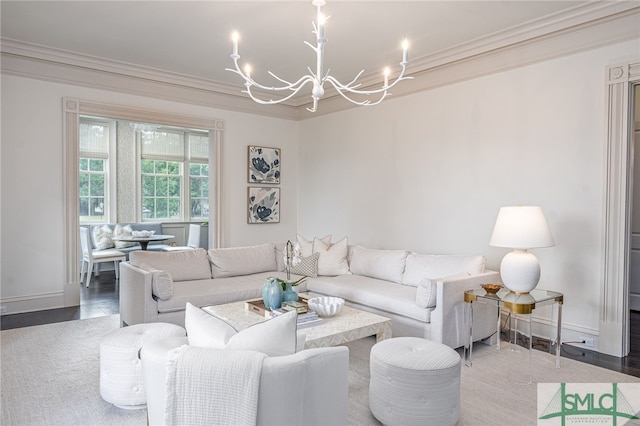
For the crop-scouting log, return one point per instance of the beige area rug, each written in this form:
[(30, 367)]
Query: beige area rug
[(50, 376)]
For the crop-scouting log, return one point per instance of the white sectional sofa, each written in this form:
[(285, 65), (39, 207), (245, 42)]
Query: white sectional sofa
[(422, 294)]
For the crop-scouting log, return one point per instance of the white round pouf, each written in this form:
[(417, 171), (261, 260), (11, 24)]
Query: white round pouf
[(121, 380), (414, 381)]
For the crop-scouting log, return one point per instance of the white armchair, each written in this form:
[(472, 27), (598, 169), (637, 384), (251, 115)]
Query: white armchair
[(307, 388)]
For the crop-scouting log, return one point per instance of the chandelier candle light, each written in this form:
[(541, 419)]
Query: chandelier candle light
[(319, 78)]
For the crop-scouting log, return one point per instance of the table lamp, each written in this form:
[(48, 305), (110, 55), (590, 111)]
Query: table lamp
[(521, 228)]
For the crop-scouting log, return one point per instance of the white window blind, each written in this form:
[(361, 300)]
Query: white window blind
[(198, 148), (162, 145), (94, 139)]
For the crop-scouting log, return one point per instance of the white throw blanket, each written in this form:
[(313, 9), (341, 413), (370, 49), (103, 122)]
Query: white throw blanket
[(212, 386)]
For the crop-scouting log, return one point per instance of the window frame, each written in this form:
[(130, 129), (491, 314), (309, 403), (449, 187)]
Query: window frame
[(185, 177), (110, 173)]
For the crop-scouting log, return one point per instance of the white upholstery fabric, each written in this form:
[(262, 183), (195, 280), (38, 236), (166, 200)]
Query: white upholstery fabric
[(373, 293), (333, 258), (275, 337), (182, 265), (230, 262), (162, 284), (382, 264), (212, 387), (306, 388), (217, 291), (414, 382), (121, 380), (421, 266), (426, 293), (306, 246)]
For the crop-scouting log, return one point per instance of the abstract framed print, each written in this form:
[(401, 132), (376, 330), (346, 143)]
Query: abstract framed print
[(264, 205), (264, 165)]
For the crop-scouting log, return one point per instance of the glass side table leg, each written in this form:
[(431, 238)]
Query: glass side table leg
[(558, 334), (498, 328), (468, 346), (530, 335)]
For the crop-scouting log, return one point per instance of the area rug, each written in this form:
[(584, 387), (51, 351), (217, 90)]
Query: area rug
[(50, 376)]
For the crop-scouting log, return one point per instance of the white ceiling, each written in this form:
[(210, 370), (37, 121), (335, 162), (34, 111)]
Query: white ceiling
[(192, 38)]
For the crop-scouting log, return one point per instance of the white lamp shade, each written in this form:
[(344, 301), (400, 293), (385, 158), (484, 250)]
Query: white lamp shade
[(521, 227)]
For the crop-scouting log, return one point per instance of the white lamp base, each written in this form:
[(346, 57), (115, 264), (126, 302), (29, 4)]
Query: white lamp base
[(520, 271)]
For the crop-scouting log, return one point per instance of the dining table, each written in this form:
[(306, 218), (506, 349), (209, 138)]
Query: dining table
[(144, 241)]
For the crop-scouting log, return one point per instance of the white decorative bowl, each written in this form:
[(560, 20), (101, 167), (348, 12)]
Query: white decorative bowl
[(143, 234), (326, 306)]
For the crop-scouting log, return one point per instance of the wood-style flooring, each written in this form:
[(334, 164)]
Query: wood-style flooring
[(101, 298)]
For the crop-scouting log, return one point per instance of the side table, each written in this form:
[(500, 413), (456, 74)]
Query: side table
[(517, 304)]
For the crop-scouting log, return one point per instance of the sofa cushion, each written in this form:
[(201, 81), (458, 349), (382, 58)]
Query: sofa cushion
[(382, 264), (217, 291), (182, 265), (379, 294), (123, 231), (161, 284), (102, 237), (333, 257), (230, 262), (307, 267), (421, 266), (275, 337), (306, 246)]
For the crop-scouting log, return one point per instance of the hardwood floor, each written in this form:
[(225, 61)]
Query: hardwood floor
[(101, 298)]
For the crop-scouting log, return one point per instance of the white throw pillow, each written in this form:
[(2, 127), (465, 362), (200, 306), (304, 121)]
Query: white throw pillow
[(421, 266), (275, 337), (333, 258), (308, 266), (122, 231), (162, 284), (385, 265), (235, 261), (306, 246), (103, 237)]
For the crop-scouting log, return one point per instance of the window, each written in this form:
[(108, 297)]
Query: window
[(93, 165), (174, 174)]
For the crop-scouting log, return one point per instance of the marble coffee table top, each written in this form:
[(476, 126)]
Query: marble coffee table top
[(349, 325)]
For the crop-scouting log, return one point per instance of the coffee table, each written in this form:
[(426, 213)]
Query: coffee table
[(349, 325)]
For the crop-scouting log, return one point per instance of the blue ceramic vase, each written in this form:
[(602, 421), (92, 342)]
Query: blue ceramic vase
[(289, 295), (272, 294)]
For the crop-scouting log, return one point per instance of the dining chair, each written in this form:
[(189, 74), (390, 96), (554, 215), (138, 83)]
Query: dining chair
[(92, 257), (193, 241)]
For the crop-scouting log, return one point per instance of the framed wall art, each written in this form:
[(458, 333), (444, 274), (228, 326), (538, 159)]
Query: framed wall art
[(264, 165), (264, 205)]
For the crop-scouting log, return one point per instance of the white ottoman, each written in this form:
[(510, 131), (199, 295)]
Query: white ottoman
[(121, 380), (414, 381)]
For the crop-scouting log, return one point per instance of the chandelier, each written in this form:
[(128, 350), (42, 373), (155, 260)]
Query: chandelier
[(319, 78)]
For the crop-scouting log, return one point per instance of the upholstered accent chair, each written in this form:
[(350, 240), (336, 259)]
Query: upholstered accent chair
[(309, 387)]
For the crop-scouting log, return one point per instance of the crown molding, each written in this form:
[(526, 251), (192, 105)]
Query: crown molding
[(582, 28)]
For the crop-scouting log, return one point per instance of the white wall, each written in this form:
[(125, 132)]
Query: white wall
[(428, 172), (31, 230)]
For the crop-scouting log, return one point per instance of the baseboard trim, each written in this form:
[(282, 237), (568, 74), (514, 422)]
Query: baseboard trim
[(34, 302)]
